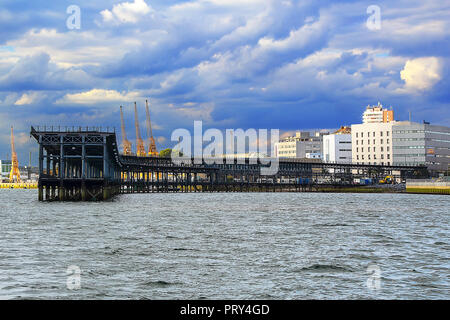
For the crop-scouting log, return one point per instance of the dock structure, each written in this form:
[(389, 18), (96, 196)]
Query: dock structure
[(77, 163), (84, 164)]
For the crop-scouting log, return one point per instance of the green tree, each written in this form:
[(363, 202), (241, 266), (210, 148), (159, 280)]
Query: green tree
[(167, 153)]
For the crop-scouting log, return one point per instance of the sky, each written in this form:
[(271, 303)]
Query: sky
[(288, 65)]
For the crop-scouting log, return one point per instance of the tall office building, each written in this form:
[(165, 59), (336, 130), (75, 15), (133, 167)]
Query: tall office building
[(376, 114)]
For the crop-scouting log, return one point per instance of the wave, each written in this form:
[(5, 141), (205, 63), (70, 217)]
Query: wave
[(185, 249), (128, 238), (332, 225), (115, 251), (159, 283), (325, 268)]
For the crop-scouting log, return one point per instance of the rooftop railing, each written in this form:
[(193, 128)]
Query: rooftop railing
[(73, 129)]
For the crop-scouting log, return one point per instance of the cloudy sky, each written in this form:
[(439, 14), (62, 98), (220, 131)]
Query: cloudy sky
[(282, 64)]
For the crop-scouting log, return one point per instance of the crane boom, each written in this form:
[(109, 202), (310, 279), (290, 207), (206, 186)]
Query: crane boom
[(125, 142), (14, 161), (140, 149), (151, 141)]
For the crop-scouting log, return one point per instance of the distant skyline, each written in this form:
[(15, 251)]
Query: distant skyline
[(290, 65)]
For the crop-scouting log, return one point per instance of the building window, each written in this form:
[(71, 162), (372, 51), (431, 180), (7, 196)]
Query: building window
[(373, 134), (382, 156), (381, 141), (374, 149), (368, 149), (362, 149), (375, 157), (357, 149), (381, 134), (357, 157), (387, 133), (362, 157), (369, 156), (382, 149), (362, 134), (388, 149), (362, 142), (356, 142), (357, 134), (388, 156), (374, 141), (368, 141)]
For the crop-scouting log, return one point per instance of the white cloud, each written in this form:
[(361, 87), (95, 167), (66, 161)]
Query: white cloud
[(297, 38), (126, 12), (24, 99), (69, 49), (161, 139), (95, 96), (29, 98), (21, 138), (203, 111), (421, 73)]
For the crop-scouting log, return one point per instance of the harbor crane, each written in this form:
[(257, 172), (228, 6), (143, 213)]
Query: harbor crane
[(151, 141), (125, 142), (14, 161), (140, 149)]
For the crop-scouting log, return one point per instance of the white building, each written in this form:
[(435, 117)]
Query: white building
[(337, 147), (372, 140), (300, 145), (372, 143), (402, 143), (376, 114)]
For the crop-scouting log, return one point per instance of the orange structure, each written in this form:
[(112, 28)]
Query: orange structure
[(151, 141), (344, 130), (14, 161), (125, 142), (376, 114), (388, 115), (140, 149)]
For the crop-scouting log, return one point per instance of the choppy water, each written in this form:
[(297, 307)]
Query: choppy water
[(236, 245)]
